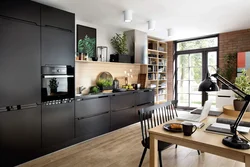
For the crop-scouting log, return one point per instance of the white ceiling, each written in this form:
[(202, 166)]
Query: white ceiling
[(186, 18)]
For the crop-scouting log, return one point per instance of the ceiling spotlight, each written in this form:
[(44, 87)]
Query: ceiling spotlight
[(151, 24), (170, 32), (128, 15)]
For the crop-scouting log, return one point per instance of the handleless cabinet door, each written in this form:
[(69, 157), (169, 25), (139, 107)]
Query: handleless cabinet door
[(20, 135), (19, 63), (22, 9), (57, 124), (145, 97), (122, 101), (57, 47), (57, 18)]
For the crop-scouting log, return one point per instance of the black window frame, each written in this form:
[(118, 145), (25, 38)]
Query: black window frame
[(204, 52)]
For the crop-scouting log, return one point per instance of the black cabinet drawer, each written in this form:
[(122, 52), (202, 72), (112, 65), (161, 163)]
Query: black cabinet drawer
[(22, 9), (57, 47), (122, 101), (57, 18), (92, 106), (145, 97), (122, 118), (93, 126), (57, 124), (20, 135)]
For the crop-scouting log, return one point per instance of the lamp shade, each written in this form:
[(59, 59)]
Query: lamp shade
[(151, 24), (128, 15), (208, 85)]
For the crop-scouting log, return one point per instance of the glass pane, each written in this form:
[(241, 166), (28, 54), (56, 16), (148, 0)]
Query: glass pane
[(183, 100), (212, 58), (183, 73), (195, 100), (194, 87), (196, 60), (196, 74), (183, 86), (198, 44), (212, 69), (182, 60)]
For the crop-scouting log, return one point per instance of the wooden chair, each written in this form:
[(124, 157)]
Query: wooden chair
[(151, 117)]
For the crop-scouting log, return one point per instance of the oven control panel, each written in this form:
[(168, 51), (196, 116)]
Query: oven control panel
[(56, 102)]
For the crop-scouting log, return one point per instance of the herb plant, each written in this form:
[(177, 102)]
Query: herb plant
[(119, 44), (243, 83)]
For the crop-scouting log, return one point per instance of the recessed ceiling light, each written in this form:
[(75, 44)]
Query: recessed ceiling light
[(151, 24), (128, 16)]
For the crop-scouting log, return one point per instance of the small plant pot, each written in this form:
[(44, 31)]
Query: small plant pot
[(238, 105)]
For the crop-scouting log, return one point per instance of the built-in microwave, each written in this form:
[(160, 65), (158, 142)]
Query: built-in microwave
[(58, 83)]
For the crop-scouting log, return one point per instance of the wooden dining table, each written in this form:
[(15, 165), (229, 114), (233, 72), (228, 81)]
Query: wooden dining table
[(200, 140)]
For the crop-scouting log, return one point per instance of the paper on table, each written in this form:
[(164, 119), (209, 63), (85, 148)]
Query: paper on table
[(198, 124), (227, 126)]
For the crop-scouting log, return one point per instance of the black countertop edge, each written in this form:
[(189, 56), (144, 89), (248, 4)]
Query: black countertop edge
[(98, 95)]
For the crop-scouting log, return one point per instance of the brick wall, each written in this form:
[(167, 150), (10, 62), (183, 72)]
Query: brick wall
[(230, 42), (170, 70)]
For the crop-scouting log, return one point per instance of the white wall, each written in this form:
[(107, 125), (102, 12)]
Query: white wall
[(103, 34)]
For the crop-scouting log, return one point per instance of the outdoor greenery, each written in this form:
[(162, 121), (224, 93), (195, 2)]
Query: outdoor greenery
[(119, 44), (87, 45), (229, 66), (243, 83)]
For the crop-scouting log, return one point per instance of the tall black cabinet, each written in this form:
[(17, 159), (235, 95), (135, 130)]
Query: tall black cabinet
[(58, 37)]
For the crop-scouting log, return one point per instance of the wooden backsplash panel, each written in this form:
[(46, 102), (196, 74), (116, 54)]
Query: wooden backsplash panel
[(87, 72)]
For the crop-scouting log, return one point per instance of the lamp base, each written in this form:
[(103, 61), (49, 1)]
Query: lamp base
[(236, 142)]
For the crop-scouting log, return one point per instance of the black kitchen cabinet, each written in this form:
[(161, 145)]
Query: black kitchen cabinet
[(122, 118), (89, 127), (20, 135), (57, 124), (145, 97), (92, 117), (52, 17), (94, 106), (22, 10), (58, 47), (122, 101), (19, 63)]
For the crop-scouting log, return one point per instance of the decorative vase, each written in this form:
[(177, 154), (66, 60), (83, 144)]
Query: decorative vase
[(238, 105)]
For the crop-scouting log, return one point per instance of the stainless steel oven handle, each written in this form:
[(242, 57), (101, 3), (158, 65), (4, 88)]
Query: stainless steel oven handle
[(58, 76)]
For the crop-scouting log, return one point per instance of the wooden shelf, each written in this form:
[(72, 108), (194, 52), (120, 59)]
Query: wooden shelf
[(103, 62), (161, 58)]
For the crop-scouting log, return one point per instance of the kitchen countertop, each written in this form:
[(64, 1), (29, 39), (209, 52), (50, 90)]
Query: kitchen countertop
[(90, 96)]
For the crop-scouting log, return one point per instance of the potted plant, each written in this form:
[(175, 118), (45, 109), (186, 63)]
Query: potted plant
[(229, 68), (53, 84), (119, 43), (86, 47), (243, 83), (105, 84)]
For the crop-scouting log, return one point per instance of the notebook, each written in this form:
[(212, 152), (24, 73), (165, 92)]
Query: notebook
[(195, 117)]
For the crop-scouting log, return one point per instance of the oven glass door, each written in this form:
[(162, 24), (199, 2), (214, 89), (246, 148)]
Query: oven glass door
[(55, 87)]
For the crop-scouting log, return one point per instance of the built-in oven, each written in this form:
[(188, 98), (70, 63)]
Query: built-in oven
[(58, 83)]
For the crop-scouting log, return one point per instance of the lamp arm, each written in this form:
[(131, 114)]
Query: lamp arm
[(239, 92)]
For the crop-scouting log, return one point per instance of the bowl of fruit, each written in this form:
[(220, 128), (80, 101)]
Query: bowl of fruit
[(128, 87)]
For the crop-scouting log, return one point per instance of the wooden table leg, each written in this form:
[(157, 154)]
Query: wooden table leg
[(153, 151), (247, 161)]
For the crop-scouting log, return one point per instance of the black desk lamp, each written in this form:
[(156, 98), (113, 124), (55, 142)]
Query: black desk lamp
[(231, 141)]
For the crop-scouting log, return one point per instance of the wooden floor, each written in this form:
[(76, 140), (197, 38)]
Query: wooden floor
[(122, 148)]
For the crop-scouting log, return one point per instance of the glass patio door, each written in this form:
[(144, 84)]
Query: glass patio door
[(189, 76)]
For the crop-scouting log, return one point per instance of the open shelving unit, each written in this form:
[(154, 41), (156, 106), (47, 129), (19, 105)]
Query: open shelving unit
[(156, 69)]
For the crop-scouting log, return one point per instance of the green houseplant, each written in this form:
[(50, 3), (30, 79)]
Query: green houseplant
[(53, 84), (87, 46), (229, 67), (119, 43), (243, 83), (105, 84)]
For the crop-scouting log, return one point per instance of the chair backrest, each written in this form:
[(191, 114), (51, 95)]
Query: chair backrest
[(155, 115)]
